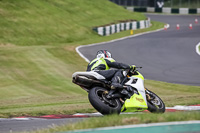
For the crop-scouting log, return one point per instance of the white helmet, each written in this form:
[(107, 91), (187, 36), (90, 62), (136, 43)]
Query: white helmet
[(103, 54)]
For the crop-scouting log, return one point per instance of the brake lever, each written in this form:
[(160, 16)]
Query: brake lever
[(128, 71), (123, 81)]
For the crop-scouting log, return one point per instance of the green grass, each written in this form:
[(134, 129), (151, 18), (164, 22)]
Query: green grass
[(37, 52), (37, 55), (199, 48), (56, 22), (175, 94), (133, 119), (31, 77), (36, 80)]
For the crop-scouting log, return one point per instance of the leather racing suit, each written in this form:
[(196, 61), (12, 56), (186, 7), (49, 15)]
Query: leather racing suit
[(102, 66)]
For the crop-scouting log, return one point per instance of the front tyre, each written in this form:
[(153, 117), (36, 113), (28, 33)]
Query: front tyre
[(97, 98), (154, 102)]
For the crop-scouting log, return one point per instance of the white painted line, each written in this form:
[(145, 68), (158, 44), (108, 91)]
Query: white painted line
[(27, 119), (178, 107), (89, 45), (197, 48), (99, 114), (89, 114), (22, 119)]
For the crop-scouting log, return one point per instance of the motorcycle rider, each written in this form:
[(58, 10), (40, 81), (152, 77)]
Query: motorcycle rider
[(103, 63)]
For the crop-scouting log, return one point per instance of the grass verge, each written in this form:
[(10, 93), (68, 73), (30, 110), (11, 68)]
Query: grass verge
[(120, 120), (38, 57), (199, 48), (56, 22), (36, 80)]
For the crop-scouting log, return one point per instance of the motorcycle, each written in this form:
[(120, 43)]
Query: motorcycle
[(135, 97)]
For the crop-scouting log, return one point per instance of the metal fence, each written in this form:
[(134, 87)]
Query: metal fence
[(159, 3)]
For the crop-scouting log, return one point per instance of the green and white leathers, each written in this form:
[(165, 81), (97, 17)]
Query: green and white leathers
[(137, 102), (100, 63)]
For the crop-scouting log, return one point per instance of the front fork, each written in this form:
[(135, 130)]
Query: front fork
[(147, 94)]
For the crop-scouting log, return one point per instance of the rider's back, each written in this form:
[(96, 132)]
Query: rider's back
[(100, 64)]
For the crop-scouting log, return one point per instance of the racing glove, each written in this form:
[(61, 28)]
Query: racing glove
[(132, 68)]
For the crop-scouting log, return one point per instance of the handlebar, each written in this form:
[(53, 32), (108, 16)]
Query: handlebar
[(128, 71)]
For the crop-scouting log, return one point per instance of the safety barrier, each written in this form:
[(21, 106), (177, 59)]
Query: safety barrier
[(165, 10), (115, 28)]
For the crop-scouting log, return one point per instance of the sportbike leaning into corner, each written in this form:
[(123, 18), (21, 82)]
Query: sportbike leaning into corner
[(133, 97)]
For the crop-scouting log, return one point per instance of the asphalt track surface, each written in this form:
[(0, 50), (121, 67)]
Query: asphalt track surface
[(168, 56), (22, 125)]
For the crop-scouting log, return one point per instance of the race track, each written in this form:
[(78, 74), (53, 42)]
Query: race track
[(32, 124), (168, 55)]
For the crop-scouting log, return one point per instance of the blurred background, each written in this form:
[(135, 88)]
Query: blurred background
[(159, 3)]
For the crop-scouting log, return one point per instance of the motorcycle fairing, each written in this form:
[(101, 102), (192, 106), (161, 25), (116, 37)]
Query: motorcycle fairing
[(90, 73), (135, 103), (139, 85), (139, 75)]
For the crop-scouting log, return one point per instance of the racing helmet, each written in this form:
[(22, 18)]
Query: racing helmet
[(104, 54)]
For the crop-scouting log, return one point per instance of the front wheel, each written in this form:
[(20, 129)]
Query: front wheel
[(97, 98), (154, 102)]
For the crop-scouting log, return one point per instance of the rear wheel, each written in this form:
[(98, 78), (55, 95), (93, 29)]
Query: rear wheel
[(154, 102), (97, 98)]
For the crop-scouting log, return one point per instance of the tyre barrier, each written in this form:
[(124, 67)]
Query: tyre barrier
[(115, 28), (165, 10)]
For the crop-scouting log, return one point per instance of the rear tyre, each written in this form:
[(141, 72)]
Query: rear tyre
[(154, 102), (101, 103)]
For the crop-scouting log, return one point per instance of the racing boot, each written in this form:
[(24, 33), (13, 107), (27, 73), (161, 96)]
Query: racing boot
[(125, 90)]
